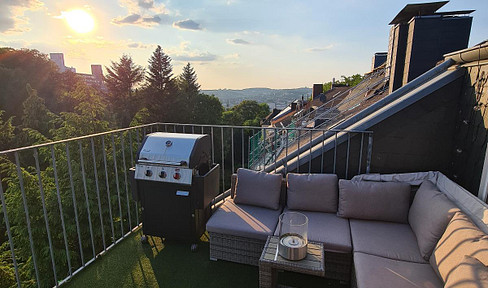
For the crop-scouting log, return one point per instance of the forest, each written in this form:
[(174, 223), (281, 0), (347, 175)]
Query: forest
[(65, 203), (39, 104)]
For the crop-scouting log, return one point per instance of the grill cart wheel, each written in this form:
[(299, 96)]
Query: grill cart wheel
[(194, 247), (144, 239)]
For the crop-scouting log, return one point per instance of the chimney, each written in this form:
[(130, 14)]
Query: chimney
[(317, 89)]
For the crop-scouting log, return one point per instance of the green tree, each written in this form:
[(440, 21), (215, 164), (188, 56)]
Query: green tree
[(122, 78), (90, 114), (188, 92), (160, 95), (207, 110), (160, 71), (350, 81), (6, 132), (187, 82), (248, 112), (36, 115), (19, 67), (142, 117)]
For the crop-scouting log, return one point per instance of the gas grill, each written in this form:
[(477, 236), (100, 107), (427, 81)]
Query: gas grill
[(175, 182)]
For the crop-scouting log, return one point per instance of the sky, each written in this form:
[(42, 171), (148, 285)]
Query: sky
[(231, 44)]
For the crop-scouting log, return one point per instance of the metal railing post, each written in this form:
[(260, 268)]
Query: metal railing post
[(117, 185), (56, 181), (46, 220), (85, 190), (70, 173), (98, 193), (9, 233), (107, 185)]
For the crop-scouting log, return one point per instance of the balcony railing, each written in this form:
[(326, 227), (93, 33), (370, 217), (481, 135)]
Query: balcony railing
[(65, 203)]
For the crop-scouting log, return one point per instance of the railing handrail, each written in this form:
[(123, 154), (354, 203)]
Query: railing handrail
[(20, 149)]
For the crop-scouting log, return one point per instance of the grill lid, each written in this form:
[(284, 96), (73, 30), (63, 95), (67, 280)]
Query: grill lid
[(168, 148)]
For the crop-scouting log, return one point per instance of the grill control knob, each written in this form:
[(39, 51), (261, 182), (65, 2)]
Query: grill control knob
[(177, 176), (162, 174), (148, 173)]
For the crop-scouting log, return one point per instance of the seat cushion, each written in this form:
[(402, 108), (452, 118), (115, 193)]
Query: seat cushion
[(470, 273), (258, 188), (378, 272), (386, 239), (243, 220), (461, 238), (327, 228), (429, 215), (382, 201), (312, 192)]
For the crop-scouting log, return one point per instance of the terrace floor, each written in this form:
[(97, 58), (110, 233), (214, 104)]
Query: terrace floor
[(172, 264)]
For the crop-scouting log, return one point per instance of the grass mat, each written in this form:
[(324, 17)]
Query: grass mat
[(172, 264)]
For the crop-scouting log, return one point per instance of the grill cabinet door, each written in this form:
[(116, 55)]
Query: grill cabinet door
[(167, 213)]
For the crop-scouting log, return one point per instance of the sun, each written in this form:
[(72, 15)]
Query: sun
[(79, 20)]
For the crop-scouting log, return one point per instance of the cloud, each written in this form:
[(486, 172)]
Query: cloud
[(143, 13), (146, 4), (15, 43), (187, 24), (238, 42), (320, 49), (12, 19), (136, 19), (138, 45), (200, 57), (129, 19)]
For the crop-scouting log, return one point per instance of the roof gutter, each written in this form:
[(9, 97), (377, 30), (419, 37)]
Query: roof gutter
[(475, 53)]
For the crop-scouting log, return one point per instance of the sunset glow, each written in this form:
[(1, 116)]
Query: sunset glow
[(79, 20)]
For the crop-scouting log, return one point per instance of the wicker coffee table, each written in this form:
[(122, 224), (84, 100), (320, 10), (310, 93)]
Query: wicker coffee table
[(313, 264)]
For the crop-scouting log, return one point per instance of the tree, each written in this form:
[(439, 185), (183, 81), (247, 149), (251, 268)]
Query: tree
[(19, 67), (248, 113), (160, 72), (6, 132), (187, 82), (207, 110), (121, 79), (350, 81), (90, 114), (160, 94), (188, 92), (36, 115)]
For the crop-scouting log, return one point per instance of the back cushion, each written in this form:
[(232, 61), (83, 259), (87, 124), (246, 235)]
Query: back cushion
[(384, 201), (461, 238), (312, 192), (429, 215), (471, 273), (258, 189)]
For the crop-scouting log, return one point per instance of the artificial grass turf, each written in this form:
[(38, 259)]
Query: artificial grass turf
[(172, 264)]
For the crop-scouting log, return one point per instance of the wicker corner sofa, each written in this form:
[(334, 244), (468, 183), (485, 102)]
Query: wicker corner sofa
[(238, 232), (398, 230)]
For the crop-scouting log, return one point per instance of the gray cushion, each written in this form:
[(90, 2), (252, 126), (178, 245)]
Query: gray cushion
[(312, 192), (378, 272), (329, 229), (243, 220), (470, 273), (461, 238), (429, 215), (258, 188), (386, 239), (383, 201)]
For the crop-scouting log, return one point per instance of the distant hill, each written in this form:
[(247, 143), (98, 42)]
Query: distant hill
[(274, 97)]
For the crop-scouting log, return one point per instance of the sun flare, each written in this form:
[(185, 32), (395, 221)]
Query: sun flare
[(79, 20)]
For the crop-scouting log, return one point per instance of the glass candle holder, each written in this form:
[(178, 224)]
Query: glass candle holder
[(293, 229)]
